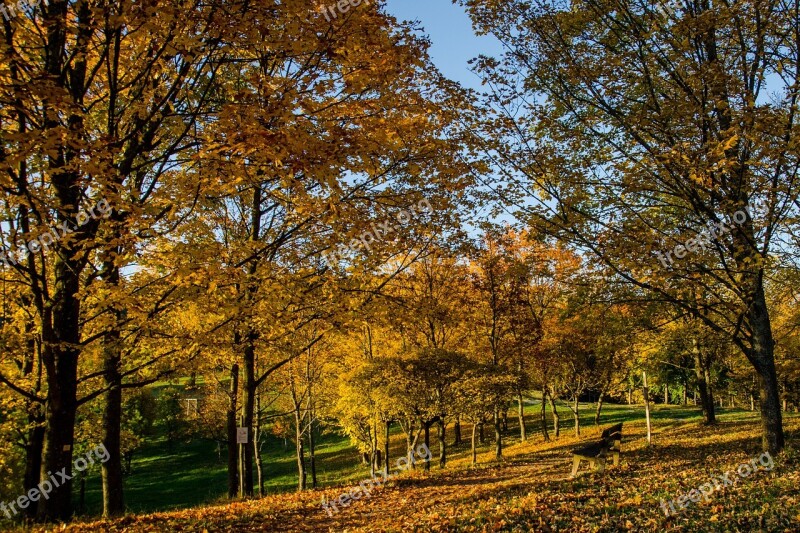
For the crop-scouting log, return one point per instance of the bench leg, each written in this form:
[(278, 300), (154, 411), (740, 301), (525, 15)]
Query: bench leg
[(576, 463), (616, 458), (601, 465)]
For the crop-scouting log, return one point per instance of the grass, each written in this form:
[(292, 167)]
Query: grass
[(193, 472)]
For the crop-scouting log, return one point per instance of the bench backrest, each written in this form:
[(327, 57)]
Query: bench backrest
[(613, 433)]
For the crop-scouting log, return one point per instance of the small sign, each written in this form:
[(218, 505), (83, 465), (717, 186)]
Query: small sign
[(66, 447), (241, 435)]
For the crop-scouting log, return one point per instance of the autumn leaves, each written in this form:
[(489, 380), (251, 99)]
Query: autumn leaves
[(365, 488), (704, 238), (45, 240), (341, 7), (379, 231), (704, 491), (11, 10)]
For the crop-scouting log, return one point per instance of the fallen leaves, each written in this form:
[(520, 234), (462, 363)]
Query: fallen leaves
[(532, 492)]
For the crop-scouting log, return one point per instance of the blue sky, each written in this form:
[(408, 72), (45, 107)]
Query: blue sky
[(453, 43)]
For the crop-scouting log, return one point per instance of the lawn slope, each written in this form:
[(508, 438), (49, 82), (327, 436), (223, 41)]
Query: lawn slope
[(531, 490)]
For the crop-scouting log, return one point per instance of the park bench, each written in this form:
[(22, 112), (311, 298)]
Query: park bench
[(596, 453)]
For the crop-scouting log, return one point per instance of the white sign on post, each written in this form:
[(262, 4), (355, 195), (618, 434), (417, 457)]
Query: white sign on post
[(241, 435)]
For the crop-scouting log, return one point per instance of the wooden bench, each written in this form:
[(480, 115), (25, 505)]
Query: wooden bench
[(609, 445)]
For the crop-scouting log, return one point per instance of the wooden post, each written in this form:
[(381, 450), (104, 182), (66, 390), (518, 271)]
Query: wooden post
[(647, 407)]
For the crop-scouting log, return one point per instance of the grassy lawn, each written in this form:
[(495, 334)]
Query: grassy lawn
[(190, 473)]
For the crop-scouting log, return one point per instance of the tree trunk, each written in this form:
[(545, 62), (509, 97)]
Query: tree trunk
[(712, 402), (480, 432), (646, 394), (556, 417), (410, 444), (312, 459), (427, 445), (374, 461), (60, 356), (498, 435), (442, 444), (761, 353), (473, 448), (457, 432), (576, 413), (247, 343), (666, 394), (301, 463), (259, 461), (504, 413), (233, 447), (33, 454), (544, 416), (599, 408), (257, 447), (702, 373), (60, 310), (521, 414), (61, 409), (113, 501), (386, 433), (772, 440), (34, 443), (248, 410)]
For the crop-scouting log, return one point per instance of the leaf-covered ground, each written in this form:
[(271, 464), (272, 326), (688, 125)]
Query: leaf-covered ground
[(531, 491)]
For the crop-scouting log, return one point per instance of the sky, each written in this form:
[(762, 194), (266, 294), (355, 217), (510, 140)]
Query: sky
[(453, 42)]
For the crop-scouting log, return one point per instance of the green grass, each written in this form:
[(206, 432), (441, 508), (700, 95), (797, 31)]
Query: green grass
[(193, 472)]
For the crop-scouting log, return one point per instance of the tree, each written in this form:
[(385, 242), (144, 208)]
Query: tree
[(475, 397), (437, 372), (131, 94), (638, 121)]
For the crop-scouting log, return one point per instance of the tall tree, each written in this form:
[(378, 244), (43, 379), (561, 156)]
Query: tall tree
[(103, 102), (656, 123)]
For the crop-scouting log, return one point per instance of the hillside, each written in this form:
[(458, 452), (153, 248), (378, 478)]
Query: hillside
[(531, 490)]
